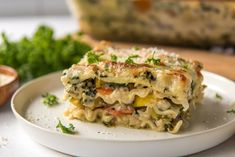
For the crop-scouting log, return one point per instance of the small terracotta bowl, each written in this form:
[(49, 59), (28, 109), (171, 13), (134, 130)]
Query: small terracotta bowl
[(6, 90)]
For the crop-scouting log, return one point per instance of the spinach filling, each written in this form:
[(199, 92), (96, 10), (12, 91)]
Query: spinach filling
[(88, 92)]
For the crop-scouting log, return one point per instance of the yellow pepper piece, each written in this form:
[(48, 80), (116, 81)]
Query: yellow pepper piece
[(98, 83), (75, 102), (140, 102)]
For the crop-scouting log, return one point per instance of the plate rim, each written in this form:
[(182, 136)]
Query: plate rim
[(180, 136)]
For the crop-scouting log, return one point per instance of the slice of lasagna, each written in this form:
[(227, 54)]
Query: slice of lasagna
[(138, 88)]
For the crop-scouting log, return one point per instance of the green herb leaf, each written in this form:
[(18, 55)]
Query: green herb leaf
[(231, 111), (129, 60), (92, 57), (113, 58), (50, 99), (66, 130), (153, 61), (217, 96)]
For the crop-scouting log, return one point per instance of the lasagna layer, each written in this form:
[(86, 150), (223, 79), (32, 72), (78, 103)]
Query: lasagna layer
[(139, 88)]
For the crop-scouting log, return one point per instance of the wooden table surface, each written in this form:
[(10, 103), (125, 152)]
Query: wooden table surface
[(222, 64)]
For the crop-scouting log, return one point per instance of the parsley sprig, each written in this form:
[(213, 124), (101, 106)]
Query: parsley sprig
[(50, 99), (231, 111), (42, 53), (153, 60), (129, 60), (92, 57), (113, 58), (218, 96), (67, 130)]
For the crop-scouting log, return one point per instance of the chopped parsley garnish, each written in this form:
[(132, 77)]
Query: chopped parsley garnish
[(136, 48), (129, 60), (217, 96), (113, 58), (50, 99), (153, 61), (231, 111), (66, 130), (92, 57)]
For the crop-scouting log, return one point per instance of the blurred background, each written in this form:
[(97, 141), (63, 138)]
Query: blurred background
[(197, 24), (32, 8), (21, 17)]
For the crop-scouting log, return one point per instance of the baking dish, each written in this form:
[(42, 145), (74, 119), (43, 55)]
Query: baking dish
[(201, 23)]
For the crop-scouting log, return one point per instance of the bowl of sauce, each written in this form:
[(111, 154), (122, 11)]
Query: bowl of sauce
[(9, 82)]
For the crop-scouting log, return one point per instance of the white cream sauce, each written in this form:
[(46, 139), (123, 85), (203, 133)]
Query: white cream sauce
[(5, 79)]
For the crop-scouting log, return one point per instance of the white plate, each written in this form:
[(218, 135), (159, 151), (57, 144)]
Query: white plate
[(210, 124)]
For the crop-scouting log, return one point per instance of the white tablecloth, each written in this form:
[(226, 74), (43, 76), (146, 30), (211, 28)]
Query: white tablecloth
[(13, 140)]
